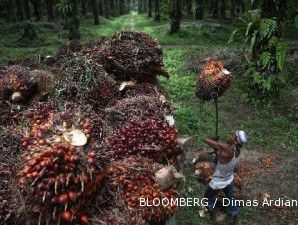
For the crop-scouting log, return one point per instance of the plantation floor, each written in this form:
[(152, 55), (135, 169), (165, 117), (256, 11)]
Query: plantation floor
[(273, 132)]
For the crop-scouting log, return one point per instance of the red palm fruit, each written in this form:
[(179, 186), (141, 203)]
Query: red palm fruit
[(84, 219), (72, 196), (63, 198), (66, 216)]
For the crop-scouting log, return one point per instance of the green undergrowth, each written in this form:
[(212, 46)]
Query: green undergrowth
[(50, 37), (190, 33)]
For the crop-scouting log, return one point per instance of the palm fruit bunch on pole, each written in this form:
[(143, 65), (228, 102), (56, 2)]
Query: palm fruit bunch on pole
[(153, 138), (213, 81), (134, 178), (130, 55), (61, 171)]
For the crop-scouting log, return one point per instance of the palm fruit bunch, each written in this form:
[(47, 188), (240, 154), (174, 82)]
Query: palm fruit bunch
[(58, 182), (10, 142), (73, 124), (80, 78), (5, 177), (204, 171), (67, 50), (11, 115), (45, 81), (10, 145), (139, 107), (61, 171), (133, 177), (139, 37), (213, 81), (16, 84), (131, 89), (153, 138), (103, 94), (27, 62), (93, 47), (130, 55), (118, 216)]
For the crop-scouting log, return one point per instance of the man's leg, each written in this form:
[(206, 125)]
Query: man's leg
[(210, 196), (233, 208)]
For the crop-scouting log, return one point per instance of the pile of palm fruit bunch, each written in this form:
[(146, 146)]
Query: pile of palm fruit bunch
[(90, 135), (213, 81)]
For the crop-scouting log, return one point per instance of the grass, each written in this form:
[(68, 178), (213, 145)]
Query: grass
[(271, 132)]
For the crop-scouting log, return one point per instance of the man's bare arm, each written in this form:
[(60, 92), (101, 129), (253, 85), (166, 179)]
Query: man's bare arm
[(216, 145), (212, 143)]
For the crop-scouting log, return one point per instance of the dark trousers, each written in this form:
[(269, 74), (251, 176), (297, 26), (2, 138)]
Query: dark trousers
[(229, 192)]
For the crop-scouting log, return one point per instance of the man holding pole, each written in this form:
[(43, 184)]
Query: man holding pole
[(223, 178)]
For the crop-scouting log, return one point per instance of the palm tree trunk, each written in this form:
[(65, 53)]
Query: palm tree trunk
[(199, 12), (20, 15), (176, 16), (84, 7), (149, 8), (121, 7), (74, 26), (27, 9), (94, 7), (215, 9), (157, 10), (189, 7), (49, 6), (36, 12), (223, 9)]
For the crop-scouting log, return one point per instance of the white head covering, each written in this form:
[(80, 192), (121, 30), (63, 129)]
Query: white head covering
[(241, 136)]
